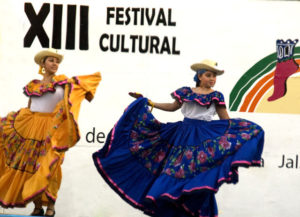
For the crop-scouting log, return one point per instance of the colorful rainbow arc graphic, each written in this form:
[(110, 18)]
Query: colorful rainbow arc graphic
[(252, 86)]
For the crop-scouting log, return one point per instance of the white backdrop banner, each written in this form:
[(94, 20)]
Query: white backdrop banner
[(148, 46)]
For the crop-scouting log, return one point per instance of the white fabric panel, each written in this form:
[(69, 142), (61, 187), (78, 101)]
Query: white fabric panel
[(47, 102), (193, 110)]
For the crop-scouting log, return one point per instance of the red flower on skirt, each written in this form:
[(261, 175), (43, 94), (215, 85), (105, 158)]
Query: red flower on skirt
[(224, 143), (179, 173), (159, 156), (202, 157), (188, 154)]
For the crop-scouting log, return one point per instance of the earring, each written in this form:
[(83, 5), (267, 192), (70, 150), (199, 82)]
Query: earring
[(43, 70)]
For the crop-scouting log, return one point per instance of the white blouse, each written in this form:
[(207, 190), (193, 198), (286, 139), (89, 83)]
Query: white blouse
[(47, 102), (193, 110)]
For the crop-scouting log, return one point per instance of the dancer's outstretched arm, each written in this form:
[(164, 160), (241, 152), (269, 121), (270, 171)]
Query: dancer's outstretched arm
[(170, 107)]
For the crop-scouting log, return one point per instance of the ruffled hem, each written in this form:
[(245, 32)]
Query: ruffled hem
[(146, 186), (199, 192), (29, 166), (185, 94), (133, 202), (35, 193), (150, 204)]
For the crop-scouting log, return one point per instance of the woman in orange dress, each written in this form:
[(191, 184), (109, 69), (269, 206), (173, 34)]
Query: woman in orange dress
[(33, 140)]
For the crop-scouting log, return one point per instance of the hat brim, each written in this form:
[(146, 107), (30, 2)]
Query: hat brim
[(45, 53), (198, 66)]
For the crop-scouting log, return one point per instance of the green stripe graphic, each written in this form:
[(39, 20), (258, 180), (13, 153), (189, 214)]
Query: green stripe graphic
[(257, 71)]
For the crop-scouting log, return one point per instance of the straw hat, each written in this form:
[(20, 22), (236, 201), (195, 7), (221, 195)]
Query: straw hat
[(209, 65), (39, 57)]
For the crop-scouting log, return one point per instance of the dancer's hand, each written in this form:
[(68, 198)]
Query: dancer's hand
[(135, 94)]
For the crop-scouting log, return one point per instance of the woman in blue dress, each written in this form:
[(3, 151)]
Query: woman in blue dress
[(175, 169)]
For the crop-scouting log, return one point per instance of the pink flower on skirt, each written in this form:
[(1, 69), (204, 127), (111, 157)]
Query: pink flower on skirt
[(168, 171), (202, 157), (159, 156), (188, 154), (225, 144), (244, 123), (245, 136), (255, 132), (179, 173), (135, 148)]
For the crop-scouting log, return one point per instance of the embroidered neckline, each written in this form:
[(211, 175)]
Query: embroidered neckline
[(37, 88), (186, 94)]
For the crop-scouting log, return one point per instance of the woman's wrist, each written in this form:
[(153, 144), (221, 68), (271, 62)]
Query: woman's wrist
[(150, 103)]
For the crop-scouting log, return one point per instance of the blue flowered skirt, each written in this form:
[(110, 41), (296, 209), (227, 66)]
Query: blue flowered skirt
[(175, 169)]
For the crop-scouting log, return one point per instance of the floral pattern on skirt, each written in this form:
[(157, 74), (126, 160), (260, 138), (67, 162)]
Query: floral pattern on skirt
[(174, 169)]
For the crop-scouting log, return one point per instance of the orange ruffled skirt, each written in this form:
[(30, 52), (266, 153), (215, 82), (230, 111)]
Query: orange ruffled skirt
[(29, 166)]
